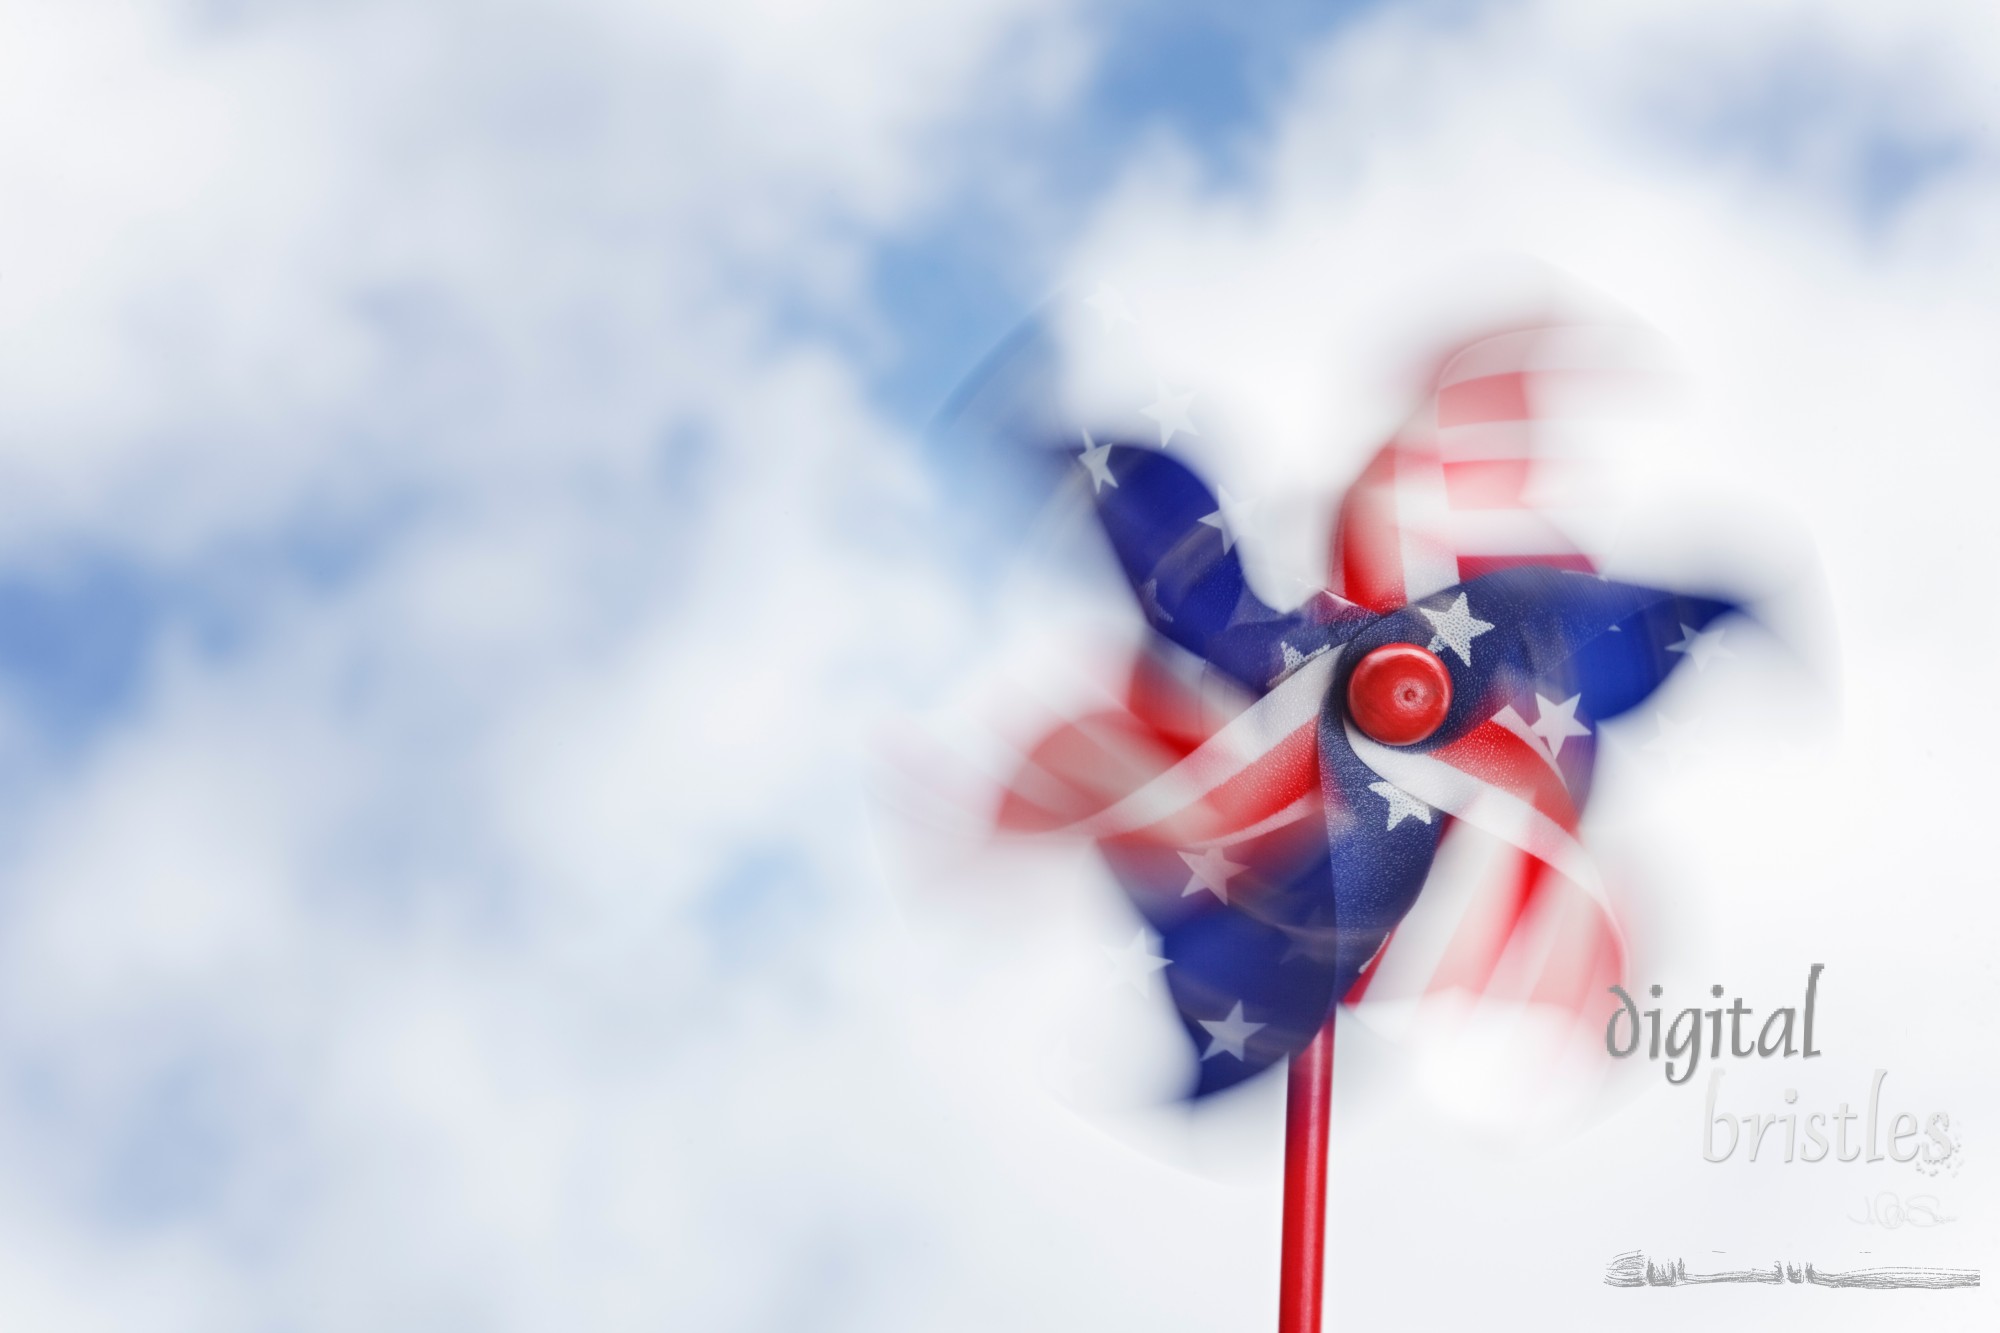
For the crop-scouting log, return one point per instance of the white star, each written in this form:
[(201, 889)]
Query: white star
[(1170, 411), (1096, 460), (1455, 628), (1227, 1037), (1229, 518), (1212, 871), (1292, 659), (1402, 805), (1134, 964), (1110, 305), (1556, 722), (1701, 647)]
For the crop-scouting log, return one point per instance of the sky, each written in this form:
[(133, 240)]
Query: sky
[(469, 510)]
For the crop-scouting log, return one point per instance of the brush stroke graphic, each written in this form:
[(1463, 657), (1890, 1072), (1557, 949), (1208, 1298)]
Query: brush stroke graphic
[(1633, 1269)]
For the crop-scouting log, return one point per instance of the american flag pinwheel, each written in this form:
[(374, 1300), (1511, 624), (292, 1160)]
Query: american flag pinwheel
[(1449, 688), (1438, 703)]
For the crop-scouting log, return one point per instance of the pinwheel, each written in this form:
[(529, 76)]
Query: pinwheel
[(1447, 687)]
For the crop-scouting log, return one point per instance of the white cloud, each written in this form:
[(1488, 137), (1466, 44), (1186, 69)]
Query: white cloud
[(311, 244)]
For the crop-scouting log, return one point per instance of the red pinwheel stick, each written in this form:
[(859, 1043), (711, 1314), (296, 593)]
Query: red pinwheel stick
[(1308, 1116)]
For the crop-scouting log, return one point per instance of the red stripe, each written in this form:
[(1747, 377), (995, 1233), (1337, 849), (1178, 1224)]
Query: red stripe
[(1487, 483), (1083, 767), (1472, 566), (1482, 938), (1367, 556), (1278, 777), (1501, 759), (1487, 398)]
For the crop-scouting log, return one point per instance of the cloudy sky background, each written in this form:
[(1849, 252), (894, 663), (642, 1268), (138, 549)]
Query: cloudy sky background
[(464, 526)]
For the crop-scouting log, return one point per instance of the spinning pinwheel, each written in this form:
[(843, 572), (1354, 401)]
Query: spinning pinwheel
[(1452, 686)]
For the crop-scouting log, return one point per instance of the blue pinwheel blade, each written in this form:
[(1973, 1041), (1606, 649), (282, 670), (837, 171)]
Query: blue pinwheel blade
[(1172, 539), (1379, 850), (1252, 979)]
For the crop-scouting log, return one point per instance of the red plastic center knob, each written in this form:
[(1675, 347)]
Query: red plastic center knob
[(1399, 694)]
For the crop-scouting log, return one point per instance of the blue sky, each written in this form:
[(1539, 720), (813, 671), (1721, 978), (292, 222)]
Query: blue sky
[(1211, 77)]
